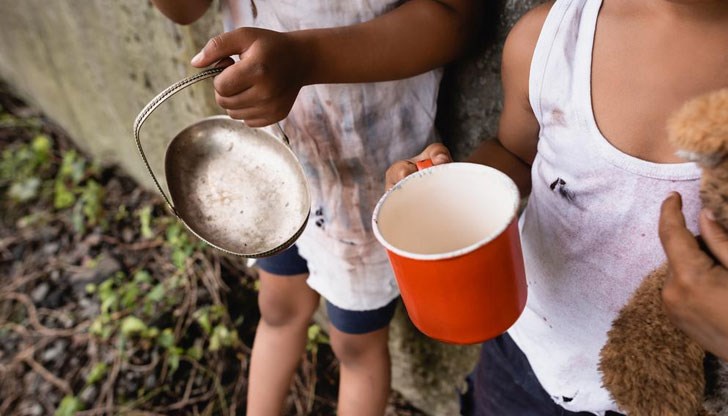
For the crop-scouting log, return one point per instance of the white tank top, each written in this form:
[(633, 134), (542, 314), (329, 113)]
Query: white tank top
[(589, 230), (346, 136)]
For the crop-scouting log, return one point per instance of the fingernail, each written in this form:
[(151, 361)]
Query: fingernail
[(441, 158), (709, 214), (197, 58)]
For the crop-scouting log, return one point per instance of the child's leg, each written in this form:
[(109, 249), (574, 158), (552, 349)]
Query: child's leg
[(286, 305), (359, 340)]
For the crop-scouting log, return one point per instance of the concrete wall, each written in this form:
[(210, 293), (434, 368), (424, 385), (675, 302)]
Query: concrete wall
[(91, 65)]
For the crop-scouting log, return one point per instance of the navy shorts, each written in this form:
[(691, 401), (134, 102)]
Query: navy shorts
[(503, 383), (289, 263)]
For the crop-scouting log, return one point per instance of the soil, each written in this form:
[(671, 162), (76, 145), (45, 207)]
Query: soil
[(107, 305)]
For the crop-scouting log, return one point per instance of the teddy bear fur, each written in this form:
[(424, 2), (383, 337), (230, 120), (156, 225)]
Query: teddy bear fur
[(649, 366)]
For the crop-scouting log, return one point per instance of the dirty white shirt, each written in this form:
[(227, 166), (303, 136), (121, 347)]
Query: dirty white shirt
[(346, 136), (590, 228)]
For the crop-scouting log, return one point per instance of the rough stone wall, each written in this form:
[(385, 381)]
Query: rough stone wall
[(91, 65), (471, 94)]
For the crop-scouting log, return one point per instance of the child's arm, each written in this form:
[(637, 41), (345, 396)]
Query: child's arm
[(514, 149), (415, 37), (696, 291), (183, 12)]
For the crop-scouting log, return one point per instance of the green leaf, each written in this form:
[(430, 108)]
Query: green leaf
[(132, 325), (77, 218), (41, 146), (173, 360), (145, 218), (203, 318), (106, 332), (194, 352), (129, 294), (92, 196), (217, 312), (69, 406), (215, 343), (72, 168), (97, 373), (179, 258), (313, 332), (63, 197), (142, 276), (157, 293), (121, 213), (110, 303), (166, 338), (96, 327), (316, 336), (222, 337), (150, 333)]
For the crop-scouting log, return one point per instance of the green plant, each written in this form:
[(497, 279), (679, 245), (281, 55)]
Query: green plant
[(69, 406), (316, 336), (181, 243), (212, 321), (23, 168), (145, 220), (74, 186)]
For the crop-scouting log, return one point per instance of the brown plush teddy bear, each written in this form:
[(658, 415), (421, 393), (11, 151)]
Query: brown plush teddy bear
[(648, 365)]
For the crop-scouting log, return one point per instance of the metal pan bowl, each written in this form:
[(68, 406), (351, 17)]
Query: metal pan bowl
[(241, 190)]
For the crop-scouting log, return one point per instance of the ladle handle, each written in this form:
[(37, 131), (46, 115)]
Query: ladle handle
[(157, 101)]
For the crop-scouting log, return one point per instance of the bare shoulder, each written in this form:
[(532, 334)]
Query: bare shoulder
[(522, 38), (518, 127), (518, 53)]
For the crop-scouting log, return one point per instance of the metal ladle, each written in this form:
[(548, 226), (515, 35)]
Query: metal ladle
[(241, 190)]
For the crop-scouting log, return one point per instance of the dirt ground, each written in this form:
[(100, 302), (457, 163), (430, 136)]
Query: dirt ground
[(108, 306)]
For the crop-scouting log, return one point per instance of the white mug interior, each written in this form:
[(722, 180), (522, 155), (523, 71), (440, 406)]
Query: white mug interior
[(445, 211)]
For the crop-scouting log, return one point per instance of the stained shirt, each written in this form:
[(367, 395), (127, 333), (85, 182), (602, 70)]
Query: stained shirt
[(346, 136), (589, 231)]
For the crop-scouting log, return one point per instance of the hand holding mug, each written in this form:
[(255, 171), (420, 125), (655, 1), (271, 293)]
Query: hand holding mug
[(436, 152)]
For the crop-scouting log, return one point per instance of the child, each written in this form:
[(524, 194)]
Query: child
[(588, 87), (345, 137)]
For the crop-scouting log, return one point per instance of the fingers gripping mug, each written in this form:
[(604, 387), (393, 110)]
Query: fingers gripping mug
[(452, 238)]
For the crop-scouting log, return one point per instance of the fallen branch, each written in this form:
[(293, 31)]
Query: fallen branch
[(33, 317)]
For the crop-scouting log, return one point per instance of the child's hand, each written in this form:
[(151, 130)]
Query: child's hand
[(436, 152), (262, 86), (696, 291)]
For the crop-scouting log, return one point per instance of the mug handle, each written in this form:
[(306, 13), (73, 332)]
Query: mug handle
[(424, 164)]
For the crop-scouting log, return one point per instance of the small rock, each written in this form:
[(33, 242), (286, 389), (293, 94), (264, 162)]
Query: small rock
[(88, 395), (50, 354), (51, 248), (102, 268), (128, 235), (35, 410), (40, 292)]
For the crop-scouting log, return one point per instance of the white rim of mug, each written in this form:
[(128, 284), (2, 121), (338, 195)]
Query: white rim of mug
[(507, 181)]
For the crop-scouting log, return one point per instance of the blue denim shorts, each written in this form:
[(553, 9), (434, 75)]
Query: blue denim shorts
[(290, 263), (503, 383)]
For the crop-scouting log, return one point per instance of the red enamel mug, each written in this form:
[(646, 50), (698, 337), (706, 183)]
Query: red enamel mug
[(451, 234)]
